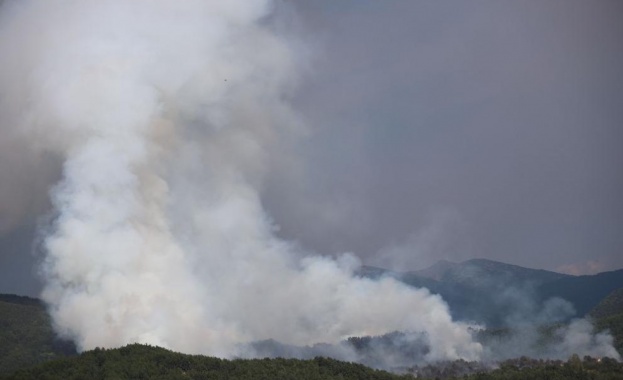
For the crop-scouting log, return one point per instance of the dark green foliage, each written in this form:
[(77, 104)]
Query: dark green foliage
[(615, 325), (27, 339), (147, 362), (26, 336), (609, 306)]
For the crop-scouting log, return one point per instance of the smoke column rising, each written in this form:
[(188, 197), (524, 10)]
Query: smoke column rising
[(166, 114)]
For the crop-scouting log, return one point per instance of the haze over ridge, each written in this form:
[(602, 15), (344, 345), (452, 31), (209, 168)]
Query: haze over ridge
[(184, 178)]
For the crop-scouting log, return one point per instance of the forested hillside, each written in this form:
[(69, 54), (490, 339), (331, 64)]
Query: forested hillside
[(609, 306), (584, 292), (614, 324), (147, 362), (27, 339), (26, 336)]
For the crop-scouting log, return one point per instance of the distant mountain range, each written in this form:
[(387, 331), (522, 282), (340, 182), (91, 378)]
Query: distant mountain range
[(499, 294), (483, 291)]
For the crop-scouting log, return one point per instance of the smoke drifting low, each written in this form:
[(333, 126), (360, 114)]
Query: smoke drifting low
[(538, 330), (166, 115)]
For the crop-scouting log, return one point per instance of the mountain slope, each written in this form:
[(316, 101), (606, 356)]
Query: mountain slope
[(485, 291), (472, 271), (609, 306), (26, 335), (584, 292), (146, 362), (499, 294)]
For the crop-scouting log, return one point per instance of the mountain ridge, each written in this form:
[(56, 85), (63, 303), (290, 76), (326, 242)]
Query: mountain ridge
[(487, 291), (502, 289), (442, 268)]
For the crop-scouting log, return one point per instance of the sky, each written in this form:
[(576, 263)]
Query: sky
[(432, 130)]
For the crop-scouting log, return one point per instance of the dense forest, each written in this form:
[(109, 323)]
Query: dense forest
[(608, 315), (147, 362), (30, 350), (614, 324), (26, 335)]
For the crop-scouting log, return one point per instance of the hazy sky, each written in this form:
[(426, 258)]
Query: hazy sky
[(434, 130), (453, 129)]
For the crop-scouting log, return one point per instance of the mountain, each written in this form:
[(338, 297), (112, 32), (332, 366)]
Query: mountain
[(475, 270), (26, 335), (146, 362), (488, 292), (608, 315), (609, 306), (584, 292), (499, 294), (137, 361)]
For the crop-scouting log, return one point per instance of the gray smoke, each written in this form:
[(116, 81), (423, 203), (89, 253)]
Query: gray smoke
[(166, 115), (544, 330)]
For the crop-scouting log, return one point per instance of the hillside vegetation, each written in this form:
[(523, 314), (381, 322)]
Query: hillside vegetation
[(609, 306), (26, 336), (574, 368), (584, 292), (147, 362), (614, 324)]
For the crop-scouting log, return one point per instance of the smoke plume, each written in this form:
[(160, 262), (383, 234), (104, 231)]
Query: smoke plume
[(539, 330), (166, 115)]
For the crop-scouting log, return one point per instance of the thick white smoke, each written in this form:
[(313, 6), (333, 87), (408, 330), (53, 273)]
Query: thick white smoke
[(166, 114)]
